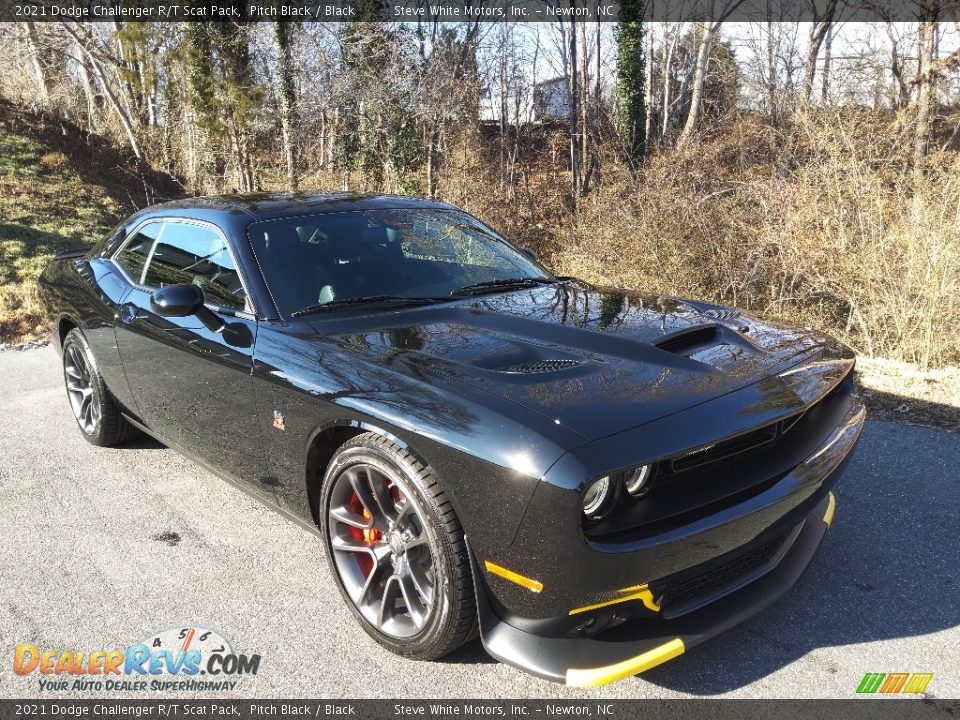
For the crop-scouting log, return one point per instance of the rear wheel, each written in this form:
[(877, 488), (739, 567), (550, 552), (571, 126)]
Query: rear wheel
[(95, 410), (397, 549)]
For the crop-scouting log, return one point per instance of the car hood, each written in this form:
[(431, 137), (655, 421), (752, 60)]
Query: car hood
[(597, 361)]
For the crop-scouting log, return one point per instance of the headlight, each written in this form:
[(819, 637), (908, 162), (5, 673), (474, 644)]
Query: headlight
[(599, 497), (637, 481)]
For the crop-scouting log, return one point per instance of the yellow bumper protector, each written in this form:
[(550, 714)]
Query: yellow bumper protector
[(591, 677), (831, 508), (636, 592), (530, 584)]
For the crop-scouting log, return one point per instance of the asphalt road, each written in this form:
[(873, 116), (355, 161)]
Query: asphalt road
[(89, 559)]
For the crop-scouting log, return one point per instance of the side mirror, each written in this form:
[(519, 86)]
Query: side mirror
[(529, 253), (184, 300), (177, 300)]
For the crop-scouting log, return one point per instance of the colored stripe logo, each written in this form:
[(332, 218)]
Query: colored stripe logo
[(894, 683)]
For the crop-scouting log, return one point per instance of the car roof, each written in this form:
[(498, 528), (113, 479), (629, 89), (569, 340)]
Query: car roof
[(270, 206)]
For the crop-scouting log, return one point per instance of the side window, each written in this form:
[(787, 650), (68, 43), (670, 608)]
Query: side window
[(133, 257), (185, 253)]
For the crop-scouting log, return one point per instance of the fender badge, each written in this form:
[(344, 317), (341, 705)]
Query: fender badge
[(278, 420)]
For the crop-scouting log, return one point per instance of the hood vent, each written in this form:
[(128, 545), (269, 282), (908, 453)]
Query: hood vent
[(540, 366), (722, 313), (687, 341)]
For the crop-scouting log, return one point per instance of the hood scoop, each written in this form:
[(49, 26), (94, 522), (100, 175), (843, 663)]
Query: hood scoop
[(688, 341)]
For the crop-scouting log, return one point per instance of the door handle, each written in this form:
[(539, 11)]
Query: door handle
[(128, 313)]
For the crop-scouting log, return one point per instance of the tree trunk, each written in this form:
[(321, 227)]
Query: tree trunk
[(809, 68), (35, 51), (597, 108), (667, 82), (88, 92), (98, 73), (125, 68), (647, 90), (900, 93), (148, 89), (432, 152), (504, 113), (827, 57), (285, 88), (709, 30), (818, 31), (633, 72), (771, 69), (925, 81), (573, 112)]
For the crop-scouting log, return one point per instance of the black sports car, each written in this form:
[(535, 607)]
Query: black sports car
[(594, 479)]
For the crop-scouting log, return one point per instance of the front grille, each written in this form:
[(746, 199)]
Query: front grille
[(737, 445), (725, 449), (716, 578), (705, 480)]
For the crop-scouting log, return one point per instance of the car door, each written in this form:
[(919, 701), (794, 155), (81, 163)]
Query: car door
[(191, 384)]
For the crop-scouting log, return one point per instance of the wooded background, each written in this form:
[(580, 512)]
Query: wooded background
[(809, 171)]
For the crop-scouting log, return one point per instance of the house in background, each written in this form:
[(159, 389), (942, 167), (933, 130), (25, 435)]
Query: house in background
[(551, 100), (549, 103)]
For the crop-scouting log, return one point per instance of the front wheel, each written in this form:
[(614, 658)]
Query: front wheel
[(94, 408), (397, 549)]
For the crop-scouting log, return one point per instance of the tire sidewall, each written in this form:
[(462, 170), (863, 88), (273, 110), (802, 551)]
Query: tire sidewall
[(368, 451), (75, 337)]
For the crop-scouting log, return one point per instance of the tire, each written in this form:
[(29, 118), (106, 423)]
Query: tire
[(94, 408), (397, 550)]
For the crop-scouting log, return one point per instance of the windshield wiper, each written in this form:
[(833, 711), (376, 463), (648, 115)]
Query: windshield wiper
[(369, 299), (486, 285)]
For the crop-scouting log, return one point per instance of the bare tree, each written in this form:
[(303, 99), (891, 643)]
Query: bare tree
[(286, 92), (87, 45), (668, 49), (708, 32), (574, 107), (819, 30), (900, 93), (771, 74), (37, 55), (647, 89), (825, 73), (926, 77)]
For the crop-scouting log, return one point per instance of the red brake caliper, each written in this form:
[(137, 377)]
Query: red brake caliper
[(367, 535)]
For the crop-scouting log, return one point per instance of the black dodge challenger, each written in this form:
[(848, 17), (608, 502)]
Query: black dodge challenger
[(593, 479)]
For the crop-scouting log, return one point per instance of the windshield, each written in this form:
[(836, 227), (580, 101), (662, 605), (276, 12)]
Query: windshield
[(333, 258)]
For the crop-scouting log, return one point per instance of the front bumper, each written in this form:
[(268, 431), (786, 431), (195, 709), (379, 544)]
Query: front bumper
[(636, 636)]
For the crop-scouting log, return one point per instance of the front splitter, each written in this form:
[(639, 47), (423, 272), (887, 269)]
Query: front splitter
[(600, 660)]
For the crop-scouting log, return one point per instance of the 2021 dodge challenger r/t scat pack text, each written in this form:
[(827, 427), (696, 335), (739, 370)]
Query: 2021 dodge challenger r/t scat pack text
[(592, 479)]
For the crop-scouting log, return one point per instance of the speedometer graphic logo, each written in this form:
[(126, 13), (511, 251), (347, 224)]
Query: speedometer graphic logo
[(206, 640)]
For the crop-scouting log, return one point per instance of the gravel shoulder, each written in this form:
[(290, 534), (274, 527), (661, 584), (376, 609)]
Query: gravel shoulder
[(101, 548)]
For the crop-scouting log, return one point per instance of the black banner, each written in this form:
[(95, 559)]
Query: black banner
[(414, 11), (854, 709)]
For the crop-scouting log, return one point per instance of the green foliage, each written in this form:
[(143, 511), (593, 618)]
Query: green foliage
[(405, 154), (631, 66), (222, 91), (722, 85), (379, 133), (37, 223)]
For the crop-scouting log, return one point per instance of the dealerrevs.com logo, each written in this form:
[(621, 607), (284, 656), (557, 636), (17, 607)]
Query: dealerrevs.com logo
[(177, 659)]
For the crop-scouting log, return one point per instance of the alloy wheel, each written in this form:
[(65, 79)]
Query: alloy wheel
[(83, 400), (381, 550)]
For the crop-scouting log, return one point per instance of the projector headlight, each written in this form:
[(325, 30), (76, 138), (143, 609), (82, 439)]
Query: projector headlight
[(637, 481), (599, 498)]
